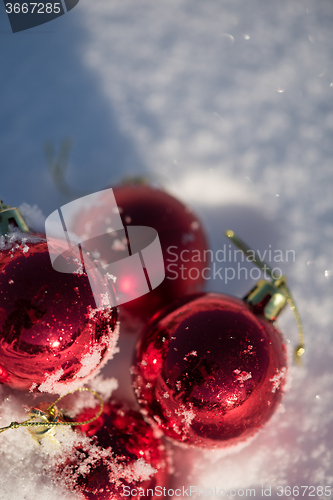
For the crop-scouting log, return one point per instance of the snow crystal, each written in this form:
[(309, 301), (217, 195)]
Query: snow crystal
[(16, 235), (111, 277), (50, 384), (277, 379), (80, 269), (188, 415), (157, 419), (242, 376), (139, 471), (192, 353), (105, 300), (90, 360)]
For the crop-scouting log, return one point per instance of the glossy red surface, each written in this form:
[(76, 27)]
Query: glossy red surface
[(179, 231), (51, 335), (128, 453), (209, 371)]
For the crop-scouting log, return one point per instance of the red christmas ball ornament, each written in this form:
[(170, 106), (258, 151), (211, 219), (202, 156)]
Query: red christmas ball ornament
[(179, 231), (52, 336), (122, 458), (210, 369)]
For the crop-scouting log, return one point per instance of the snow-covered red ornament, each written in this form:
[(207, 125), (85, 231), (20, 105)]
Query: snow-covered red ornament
[(210, 369), (120, 457), (53, 338), (180, 234)]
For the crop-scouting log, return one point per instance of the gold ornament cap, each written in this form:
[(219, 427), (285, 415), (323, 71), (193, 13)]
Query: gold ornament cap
[(267, 297), (45, 414), (12, 215)]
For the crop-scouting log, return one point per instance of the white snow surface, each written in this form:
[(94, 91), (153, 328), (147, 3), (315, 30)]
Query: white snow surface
[(229, 104)]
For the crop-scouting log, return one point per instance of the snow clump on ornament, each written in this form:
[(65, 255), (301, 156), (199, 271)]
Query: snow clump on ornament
[(118, 455)]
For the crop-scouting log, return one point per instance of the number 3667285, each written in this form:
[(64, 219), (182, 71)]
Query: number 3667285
[(30, 8)]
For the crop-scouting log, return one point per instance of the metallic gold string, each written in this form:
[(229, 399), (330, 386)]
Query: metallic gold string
[(50, 409), (280, 284)]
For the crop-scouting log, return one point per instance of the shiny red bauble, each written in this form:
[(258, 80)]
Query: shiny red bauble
[(123, 459), (179, 231), (209, 371), (52, 336)]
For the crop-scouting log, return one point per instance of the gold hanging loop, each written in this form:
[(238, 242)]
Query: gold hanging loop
[(51, 416), (277, 291)]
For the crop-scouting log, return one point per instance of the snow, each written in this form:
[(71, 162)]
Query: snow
[(91, 363), (277, 378), (229, 105), (243, 376), (6, 242), (187, 414), (33, 216)]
